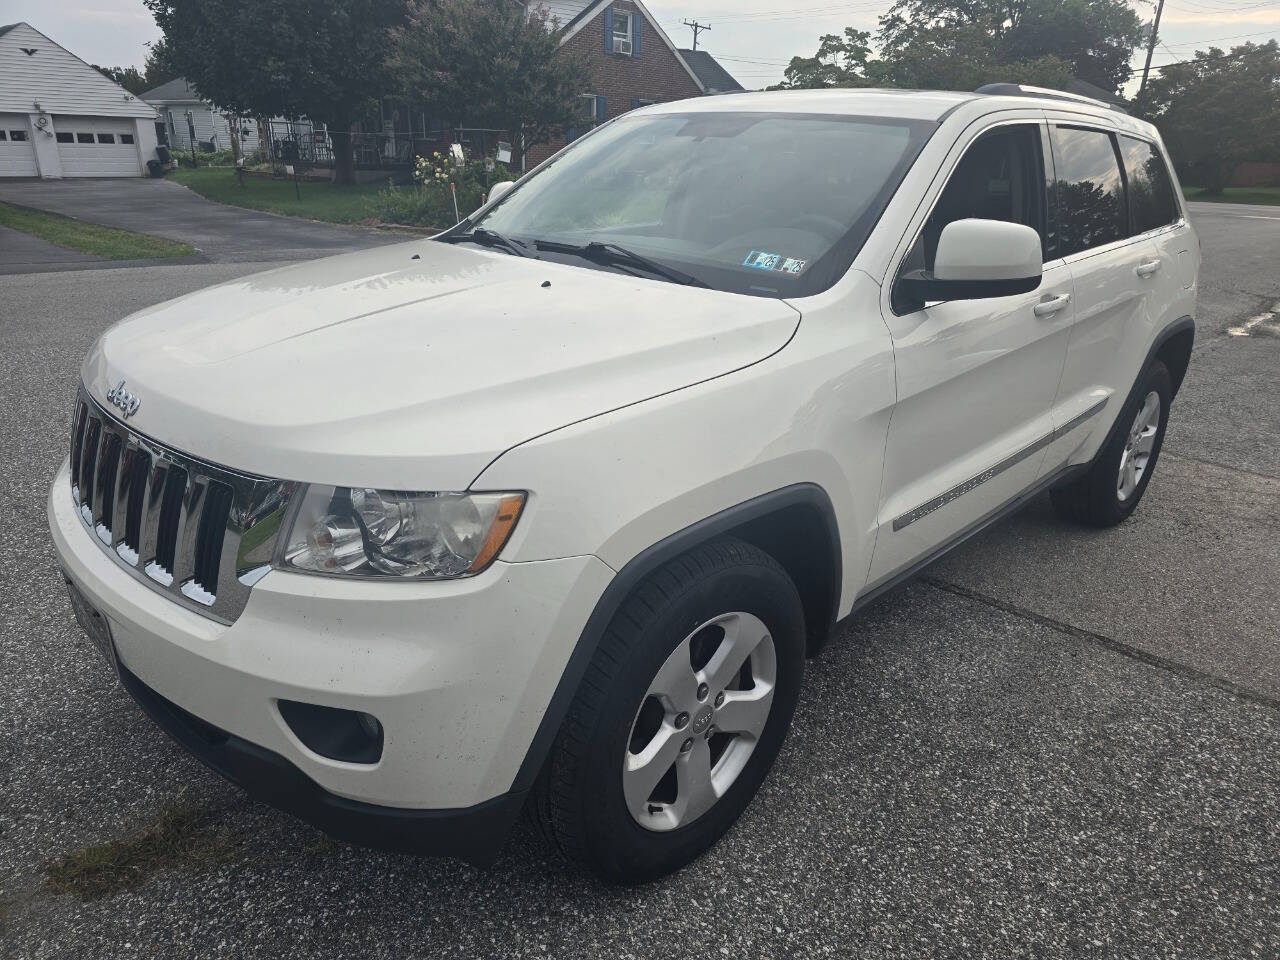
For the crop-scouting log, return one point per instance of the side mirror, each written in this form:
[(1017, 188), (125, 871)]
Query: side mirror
[(977, 259), (499, 190)]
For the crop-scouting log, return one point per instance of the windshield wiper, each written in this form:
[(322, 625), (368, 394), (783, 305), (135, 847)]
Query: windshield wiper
[(611, 254), (488, 238)]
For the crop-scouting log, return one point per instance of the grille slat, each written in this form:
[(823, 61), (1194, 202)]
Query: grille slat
[(77, 440), (140, 471), (175, 522), (104, 495), (213, 531), (190, 513), (89, 461), (169, 517)]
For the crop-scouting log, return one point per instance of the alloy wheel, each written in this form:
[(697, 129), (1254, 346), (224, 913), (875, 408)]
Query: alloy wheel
[(699, 721), (1138, 447)]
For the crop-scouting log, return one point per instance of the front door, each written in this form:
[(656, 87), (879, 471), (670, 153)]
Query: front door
[(976, 378)]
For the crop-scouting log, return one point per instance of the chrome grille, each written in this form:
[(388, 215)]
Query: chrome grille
[(198, 533)]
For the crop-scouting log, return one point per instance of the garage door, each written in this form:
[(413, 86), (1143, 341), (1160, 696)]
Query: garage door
[(97, 147), (17, 156)]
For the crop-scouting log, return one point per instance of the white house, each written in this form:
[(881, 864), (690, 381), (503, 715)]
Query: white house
[(181, 109), (59, 117)]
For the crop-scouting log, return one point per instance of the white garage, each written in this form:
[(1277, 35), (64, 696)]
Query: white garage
[(59, 117), (96, 147), (17, 158)]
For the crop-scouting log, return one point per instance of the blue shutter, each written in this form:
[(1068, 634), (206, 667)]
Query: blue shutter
[(636, 21), (635, 103), (571, 135), (602, 109), (608, 30)]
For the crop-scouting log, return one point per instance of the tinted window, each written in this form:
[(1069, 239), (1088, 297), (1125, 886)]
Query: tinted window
[(66, 137), (1000, 177), (1090, 190), (126, 138), (765, 204), (1151, 202), (84, 138), (106, 138), (18, 135), (3, 135)]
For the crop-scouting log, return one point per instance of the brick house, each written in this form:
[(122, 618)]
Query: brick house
[(631, 59)]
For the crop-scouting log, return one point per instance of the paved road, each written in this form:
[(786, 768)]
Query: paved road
[(1055, 744), (222, 233)]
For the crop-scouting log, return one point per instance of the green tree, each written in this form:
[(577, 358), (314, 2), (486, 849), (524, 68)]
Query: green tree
[(131, 78), (296, 58), (841, 61), (1218, 110), (962, 58), (159, 68), (485, 63), (1017, 40)]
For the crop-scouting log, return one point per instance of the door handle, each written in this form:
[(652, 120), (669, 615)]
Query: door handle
[(1147, 268), (1051, 305)]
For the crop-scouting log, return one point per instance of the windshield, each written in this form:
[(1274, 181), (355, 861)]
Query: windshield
[(769, 204)]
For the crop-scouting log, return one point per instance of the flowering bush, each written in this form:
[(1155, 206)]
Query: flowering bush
[(429, 202)]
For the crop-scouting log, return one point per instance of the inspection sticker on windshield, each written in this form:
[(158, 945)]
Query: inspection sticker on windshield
[(759, 260)]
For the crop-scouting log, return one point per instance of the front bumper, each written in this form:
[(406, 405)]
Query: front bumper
[(459, 674)]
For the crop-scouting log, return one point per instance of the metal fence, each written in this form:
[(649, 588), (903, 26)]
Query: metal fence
[(305, 146)]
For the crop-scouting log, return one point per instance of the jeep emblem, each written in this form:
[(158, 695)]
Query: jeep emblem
[(122, 398)]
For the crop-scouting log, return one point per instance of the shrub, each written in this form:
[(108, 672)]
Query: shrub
[(428, 202)]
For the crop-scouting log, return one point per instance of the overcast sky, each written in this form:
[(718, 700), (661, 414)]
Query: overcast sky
[(754, 39)]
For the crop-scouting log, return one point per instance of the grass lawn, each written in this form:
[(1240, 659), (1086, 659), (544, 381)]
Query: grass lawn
[(1263, 195), (90, 237), (320, 200)]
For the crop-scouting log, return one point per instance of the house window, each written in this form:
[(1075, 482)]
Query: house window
[(17, 136), (126, 138), (66, 137), (106, 138), (3, 136), (622, 42), (84, 138), (587, 108)]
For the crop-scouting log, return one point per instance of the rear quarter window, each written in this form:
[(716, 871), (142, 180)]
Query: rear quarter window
[(1151, 201)]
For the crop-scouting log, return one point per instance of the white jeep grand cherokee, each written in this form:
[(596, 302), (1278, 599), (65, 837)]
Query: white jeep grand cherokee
[(547, 511)]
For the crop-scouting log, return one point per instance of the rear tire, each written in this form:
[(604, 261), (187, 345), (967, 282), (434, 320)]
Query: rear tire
[(721, 603), (1112, 488)]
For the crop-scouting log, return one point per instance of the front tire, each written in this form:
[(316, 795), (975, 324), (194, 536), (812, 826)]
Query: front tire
[(1110, 491), (680, 716)]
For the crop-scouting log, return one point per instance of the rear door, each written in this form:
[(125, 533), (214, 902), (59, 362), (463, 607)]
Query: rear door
[(976, 378), (1115, 269)]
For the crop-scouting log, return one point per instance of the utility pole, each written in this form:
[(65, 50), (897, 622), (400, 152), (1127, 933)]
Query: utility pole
[(697, 28), (1151, 46)]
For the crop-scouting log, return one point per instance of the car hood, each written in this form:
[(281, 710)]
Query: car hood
[(413, 366)]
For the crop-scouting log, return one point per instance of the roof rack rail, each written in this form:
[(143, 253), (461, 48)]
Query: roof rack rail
[(1024, 90)]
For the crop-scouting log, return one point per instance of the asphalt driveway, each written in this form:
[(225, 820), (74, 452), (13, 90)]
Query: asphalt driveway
[(1057, 743), (222, 233)]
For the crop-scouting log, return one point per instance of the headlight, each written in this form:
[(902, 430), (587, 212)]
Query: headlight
[(391, 533)]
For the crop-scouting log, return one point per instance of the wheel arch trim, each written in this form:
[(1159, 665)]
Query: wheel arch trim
[(805, 495)]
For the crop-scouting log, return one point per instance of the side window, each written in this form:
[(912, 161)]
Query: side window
[(1000, 177), (1091, 201), (1151, 200)]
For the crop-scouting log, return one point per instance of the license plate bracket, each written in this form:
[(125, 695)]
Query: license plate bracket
[(95, 626)]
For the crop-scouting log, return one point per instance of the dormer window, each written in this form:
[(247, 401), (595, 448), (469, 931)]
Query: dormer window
[(622, 33)]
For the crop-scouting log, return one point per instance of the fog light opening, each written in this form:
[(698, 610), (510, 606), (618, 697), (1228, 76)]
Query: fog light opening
[(349, 736)]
